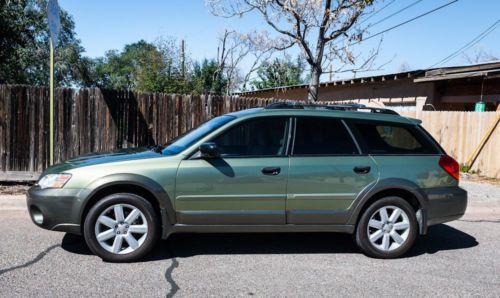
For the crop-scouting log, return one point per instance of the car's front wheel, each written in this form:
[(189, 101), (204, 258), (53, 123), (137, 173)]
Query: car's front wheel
[(387, 229), (121, 227)]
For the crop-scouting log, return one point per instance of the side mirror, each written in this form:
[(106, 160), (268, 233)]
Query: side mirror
[(209, 150)]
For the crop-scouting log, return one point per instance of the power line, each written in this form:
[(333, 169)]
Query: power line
[(468, 45), (385, 18), (377, 12), (405, 22), (401, 24), (396, 13)]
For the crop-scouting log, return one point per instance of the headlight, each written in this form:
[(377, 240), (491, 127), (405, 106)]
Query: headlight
[(54, 180)]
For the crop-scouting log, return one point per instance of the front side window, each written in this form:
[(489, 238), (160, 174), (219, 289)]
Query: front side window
[(187, 139), (322, 136), (259, 137), (381, 138)]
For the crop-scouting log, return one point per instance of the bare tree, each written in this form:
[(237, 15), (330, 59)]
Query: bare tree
[(233, 49), (356, 63), (316, 26), (262, 48), (479, 55), (404, 66)]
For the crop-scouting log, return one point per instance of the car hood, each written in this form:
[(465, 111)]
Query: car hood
[(102, 158)]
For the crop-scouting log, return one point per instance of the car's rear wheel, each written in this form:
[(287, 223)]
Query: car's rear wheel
[(387, 229), (121, 227)]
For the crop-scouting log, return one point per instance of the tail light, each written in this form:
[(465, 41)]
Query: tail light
[(450, 165)]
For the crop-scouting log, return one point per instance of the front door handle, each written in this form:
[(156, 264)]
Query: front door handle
[(271, 171), (362, 169)]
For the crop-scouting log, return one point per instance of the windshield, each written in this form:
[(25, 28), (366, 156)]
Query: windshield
[(180, 143)]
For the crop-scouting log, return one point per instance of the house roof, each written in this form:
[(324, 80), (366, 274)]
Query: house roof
[(351, 81), (489, 69)]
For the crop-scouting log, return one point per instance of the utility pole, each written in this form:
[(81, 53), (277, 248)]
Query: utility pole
[(183, 59), (51, 105), (54, 21)]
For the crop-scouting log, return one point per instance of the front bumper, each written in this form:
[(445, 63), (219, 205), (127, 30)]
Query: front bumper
[(56, 209), (445, 204)]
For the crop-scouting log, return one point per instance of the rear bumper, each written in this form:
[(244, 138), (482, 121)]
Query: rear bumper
[(445, 204), (55, 209)]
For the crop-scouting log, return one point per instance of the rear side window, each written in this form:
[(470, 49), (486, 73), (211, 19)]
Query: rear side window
[(322, 136), (391, 138)]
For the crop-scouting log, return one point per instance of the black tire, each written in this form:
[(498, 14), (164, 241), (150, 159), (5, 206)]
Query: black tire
[(361, 234), (121, 198)]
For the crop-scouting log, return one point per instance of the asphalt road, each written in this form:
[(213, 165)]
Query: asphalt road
[(461, 258)]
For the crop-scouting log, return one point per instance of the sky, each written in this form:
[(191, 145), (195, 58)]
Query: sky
[(110, 24)]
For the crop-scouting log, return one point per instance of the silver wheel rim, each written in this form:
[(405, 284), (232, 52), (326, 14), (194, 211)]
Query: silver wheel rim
[(121, 229), (388, 228)]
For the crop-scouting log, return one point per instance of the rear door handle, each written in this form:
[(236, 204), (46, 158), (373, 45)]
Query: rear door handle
[(271, 171), (362, 169)]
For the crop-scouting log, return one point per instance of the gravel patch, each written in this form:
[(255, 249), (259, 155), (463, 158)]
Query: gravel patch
[(14, 188), (481, 192)]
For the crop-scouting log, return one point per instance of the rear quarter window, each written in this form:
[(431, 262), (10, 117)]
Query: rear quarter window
[(391, 138)]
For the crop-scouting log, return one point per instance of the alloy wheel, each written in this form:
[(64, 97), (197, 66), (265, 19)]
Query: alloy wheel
[(121, 229), (388, 228)]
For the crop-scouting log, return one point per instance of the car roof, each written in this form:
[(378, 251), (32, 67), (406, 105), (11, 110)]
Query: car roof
[(346, 114)]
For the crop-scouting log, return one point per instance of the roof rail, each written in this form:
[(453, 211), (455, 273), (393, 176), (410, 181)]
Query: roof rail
[(335, 107)]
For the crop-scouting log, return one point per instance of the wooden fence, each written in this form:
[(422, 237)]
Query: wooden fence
[(460, 133), (93, 120)]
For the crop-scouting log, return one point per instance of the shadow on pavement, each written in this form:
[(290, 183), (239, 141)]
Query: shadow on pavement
[(442, 237), (439, 238), (187, 245), (75, 244)]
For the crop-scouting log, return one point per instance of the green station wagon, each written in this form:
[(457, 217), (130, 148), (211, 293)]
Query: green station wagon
[(287, 167)]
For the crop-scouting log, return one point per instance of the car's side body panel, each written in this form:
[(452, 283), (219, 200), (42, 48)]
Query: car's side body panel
[(423, 170), (231, 191), (322, 189)]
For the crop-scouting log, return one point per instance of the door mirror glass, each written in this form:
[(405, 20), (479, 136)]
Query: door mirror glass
[(209, 150)]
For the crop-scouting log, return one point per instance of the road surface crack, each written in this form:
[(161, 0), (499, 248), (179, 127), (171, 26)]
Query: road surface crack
[(168, 276), (27, 264)]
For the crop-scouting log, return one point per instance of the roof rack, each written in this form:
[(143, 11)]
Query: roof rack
[(335, 107)]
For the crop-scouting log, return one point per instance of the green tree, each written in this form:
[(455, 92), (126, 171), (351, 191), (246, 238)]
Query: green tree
[(143, 66), (14, 34), (279, 72), (204, 78), (162, 66), (138, 67), (24, 46)]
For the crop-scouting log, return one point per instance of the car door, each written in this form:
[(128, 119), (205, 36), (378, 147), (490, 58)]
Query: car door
[(246, 185), (327, 172)]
